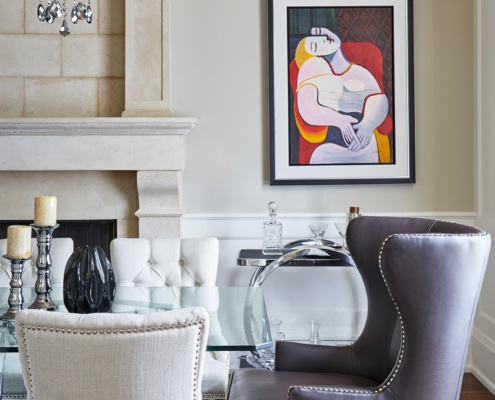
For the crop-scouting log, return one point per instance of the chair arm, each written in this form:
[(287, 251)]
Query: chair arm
[(301, 357)]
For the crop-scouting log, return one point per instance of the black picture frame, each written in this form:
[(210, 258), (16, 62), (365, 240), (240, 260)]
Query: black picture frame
[(312, 102)]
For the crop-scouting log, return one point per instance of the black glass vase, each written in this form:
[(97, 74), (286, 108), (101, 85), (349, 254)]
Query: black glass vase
[(89, 282)]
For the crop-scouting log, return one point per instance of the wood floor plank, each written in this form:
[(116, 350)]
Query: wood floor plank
[(476, 396), (472, 389)]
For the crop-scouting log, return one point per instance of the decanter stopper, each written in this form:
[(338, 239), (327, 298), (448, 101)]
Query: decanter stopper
[(272, 232), (272, 207)]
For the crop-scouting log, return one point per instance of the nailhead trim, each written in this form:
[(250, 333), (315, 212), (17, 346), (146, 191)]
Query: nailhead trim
[(199, 323), (386, 384), (402, 328)]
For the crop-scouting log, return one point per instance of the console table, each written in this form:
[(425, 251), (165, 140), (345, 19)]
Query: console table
[(306, 256)]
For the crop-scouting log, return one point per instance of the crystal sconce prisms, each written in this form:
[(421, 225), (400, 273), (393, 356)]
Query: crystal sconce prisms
[(81, 11), (41, 12), (55, 9), (64, 29)]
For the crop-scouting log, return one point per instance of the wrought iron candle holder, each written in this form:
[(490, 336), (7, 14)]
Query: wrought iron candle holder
[(16, 298), (43, 285)]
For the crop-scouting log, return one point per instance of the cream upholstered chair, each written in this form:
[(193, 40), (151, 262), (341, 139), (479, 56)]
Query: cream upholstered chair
[(12, 386), (113, 356), (175, 262)]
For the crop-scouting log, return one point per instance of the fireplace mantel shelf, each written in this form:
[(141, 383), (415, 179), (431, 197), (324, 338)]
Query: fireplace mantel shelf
[(97, 126), (97, 144)]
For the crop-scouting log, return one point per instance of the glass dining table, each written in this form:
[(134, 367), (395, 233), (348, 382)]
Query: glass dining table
[(238, 317)]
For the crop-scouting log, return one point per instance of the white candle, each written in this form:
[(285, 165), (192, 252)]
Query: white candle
[(45, 211), (19, 241)]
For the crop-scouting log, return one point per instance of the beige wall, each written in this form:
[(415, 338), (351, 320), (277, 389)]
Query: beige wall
[(220, 74)]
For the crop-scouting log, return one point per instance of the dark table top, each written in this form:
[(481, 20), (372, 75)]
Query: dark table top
[(255, 258)]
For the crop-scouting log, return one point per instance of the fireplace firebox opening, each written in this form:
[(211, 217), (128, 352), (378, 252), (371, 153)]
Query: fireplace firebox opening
[(82, 232)]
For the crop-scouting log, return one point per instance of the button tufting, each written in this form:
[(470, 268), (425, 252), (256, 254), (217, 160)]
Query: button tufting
[(182, 263)]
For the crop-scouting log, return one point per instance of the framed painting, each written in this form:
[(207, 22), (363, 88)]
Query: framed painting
[(341, 85)]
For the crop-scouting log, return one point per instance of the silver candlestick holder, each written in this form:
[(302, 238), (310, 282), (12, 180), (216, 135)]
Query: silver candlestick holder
[(16, 298), (43, 285)]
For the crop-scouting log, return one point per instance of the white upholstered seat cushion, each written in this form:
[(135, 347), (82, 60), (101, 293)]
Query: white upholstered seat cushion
[(113, 356)]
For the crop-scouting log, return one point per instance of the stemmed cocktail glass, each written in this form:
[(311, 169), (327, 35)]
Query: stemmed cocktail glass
[(342, 229), (318, 230)]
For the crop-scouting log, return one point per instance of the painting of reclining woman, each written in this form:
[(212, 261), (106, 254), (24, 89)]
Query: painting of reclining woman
[(340, 112)]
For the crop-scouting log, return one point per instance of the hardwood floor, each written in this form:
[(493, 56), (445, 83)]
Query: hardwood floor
[(472, 389)]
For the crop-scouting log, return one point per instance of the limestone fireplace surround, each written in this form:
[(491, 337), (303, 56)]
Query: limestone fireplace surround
[(154, 147), (147, 138)]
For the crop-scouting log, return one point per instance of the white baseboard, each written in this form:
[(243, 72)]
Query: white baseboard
[(489, 384)]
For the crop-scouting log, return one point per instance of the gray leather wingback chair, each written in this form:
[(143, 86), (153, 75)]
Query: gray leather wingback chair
[(423, 279)]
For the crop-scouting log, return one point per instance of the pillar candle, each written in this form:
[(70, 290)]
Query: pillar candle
[(45, 211), (19, 241)]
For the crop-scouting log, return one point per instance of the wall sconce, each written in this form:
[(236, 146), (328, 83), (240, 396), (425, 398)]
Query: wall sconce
[(55, 10)]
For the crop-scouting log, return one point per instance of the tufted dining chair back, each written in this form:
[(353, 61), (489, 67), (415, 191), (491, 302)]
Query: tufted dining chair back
[(113, 356), (165, 262), (175, 262)]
